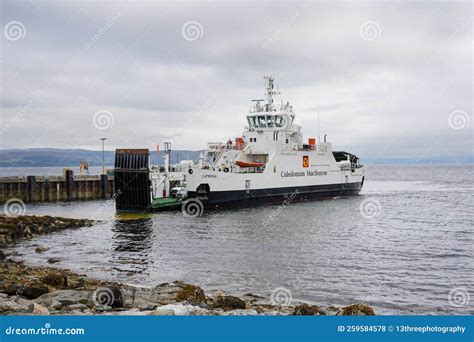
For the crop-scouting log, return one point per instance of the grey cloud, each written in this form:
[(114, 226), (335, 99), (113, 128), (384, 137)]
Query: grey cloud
[(131, 59)]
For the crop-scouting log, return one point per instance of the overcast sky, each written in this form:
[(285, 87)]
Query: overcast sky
[(392, 78)]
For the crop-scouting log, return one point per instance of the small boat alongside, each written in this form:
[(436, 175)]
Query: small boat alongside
[(270, 162)]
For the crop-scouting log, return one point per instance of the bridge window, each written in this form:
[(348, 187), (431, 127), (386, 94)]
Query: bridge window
[(278, 121), (269, 121), (261, 121), (251, 120)]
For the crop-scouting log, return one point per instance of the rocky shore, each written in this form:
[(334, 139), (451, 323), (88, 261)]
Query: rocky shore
[(13, 229), (27, 290)]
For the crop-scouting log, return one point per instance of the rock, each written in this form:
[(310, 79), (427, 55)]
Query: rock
[(167, 293), (78, 307), (13, 229), (53, 260), (147, 307), (103, 308), (162, 312), (356, 310), (67, 297), (37, 309), (32, 292), (241, 312), (308, 310), (23, 301), (3, 295), (251, 298), (41, 249), (2, 255), (56, 305), (55, 279), (179, 310), (9, 306), (227, 302)]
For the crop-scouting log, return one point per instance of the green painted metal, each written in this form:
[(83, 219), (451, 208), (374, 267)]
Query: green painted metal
[(165, 202)]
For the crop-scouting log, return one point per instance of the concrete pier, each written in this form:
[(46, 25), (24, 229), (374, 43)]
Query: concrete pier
[(56, 188)]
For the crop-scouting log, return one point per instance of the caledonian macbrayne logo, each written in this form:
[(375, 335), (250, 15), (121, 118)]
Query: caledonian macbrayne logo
[(305, 161)]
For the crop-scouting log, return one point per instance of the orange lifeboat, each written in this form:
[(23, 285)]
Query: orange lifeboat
[(248, 164)]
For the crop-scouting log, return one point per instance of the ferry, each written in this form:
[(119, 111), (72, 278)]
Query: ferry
[(269, 162)]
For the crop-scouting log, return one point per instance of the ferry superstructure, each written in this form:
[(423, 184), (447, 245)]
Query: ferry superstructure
[(270, 162)]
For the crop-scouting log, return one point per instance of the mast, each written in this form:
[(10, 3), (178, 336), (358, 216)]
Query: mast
[(269, 92)]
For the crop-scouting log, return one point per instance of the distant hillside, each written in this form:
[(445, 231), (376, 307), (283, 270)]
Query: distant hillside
[(39, 157)]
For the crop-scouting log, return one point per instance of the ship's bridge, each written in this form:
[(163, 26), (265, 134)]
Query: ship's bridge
[(273, 121)]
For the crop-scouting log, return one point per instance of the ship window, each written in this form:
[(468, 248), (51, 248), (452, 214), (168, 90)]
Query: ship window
[(269, 121), (278, 121), (251, 120), (287, 140), (261, 121)]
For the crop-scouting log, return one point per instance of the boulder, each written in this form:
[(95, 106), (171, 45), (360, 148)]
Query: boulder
[(37, 309), (167, 293), (252, 298), (12, 307), (308, 310), (23, 301), (356, 310), (227, 302), (53, 260), (146, 307), (32, 292), (41, 249), (66, 297)]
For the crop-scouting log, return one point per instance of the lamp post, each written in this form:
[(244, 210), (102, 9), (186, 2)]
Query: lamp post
[(103, 155)]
